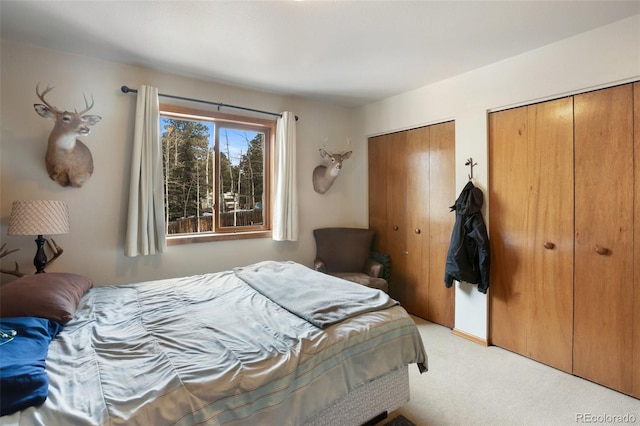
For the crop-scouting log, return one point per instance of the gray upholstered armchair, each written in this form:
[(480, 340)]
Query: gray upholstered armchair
[(346, 253)]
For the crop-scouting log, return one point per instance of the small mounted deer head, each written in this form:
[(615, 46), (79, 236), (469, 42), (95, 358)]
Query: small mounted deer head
[(69, 161), (324, 176)]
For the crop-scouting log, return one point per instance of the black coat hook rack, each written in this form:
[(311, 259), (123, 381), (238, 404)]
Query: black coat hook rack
[(470, 163)]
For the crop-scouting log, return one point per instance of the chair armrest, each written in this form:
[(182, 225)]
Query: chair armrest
[(373, 268), (385, 260), (319, 266)]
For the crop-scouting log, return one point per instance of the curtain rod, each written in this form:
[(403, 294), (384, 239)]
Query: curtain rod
[(126, 89)]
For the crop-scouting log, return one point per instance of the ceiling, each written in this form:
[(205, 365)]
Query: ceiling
[(344, 52)]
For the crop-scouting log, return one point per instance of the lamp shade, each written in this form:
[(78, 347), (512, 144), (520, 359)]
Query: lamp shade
[(39, 217)]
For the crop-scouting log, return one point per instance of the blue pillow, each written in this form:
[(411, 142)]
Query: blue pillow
[(23, 379)]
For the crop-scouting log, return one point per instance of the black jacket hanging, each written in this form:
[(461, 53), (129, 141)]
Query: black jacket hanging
[(468, 255)]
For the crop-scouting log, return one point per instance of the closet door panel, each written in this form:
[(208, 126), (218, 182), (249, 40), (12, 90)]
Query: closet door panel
[(397, 220), (603, 332), (549, 255), (417, 230), (441, 195), (508, 228), (378, 180), (636, 246)]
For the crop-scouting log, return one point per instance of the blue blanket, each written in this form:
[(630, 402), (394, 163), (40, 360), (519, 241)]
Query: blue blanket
[(321, 299), (23, 349)]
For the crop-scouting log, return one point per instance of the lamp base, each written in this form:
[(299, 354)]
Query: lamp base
[(40, 261)]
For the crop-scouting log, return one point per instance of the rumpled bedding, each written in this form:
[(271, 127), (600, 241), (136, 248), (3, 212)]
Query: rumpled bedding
[(322, 305), (209, 349)]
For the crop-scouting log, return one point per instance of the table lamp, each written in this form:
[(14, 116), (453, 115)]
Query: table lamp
[(39, 217)]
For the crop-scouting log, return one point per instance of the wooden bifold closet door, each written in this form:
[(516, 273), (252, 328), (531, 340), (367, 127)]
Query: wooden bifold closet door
[(411, 185), (564, 180)]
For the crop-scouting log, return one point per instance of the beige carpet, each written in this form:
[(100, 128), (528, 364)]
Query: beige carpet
[(469, 384)]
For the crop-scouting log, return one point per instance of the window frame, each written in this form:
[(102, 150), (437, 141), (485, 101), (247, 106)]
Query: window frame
[(268, 127)]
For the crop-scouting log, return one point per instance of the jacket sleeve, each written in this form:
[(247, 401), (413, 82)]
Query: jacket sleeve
[(479, 234)]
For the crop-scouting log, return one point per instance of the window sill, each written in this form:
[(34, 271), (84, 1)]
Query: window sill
[(173, 240)]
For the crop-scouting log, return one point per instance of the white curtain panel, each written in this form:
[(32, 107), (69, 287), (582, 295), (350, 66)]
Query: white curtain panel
[(145, 220), (285, 208)]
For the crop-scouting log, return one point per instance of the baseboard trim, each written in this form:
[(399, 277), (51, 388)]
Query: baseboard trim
[(474, 339)]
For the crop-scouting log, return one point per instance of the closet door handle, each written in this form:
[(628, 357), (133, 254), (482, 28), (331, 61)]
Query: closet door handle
[(602, 251), (395, 227), (417, 231), (549, 245)]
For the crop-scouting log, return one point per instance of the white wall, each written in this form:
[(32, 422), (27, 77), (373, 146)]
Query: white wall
[(602, 57), (98, 210)]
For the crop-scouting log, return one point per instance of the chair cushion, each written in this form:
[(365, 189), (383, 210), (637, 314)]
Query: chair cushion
[(343, 249), (364, 279)]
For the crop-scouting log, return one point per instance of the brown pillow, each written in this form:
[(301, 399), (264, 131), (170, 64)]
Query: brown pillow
[(53, 295)]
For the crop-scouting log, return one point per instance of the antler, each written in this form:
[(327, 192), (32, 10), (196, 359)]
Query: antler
[(16, 272), (55, 249), (48, 89), (86, 104), (348, 145), (43, 94)]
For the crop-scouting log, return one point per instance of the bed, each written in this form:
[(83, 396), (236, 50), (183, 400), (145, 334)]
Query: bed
[(274, 343)]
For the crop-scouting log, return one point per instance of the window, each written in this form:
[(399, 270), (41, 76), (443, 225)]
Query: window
[(217, 170)]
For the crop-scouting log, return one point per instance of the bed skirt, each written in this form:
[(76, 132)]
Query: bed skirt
[(384, 394)]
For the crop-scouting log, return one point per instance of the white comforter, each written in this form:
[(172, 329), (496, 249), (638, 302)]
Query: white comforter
[(209, 349)]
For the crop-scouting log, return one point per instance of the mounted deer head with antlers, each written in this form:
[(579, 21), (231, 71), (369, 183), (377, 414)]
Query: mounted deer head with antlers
[(69, 161), (324, 176)]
